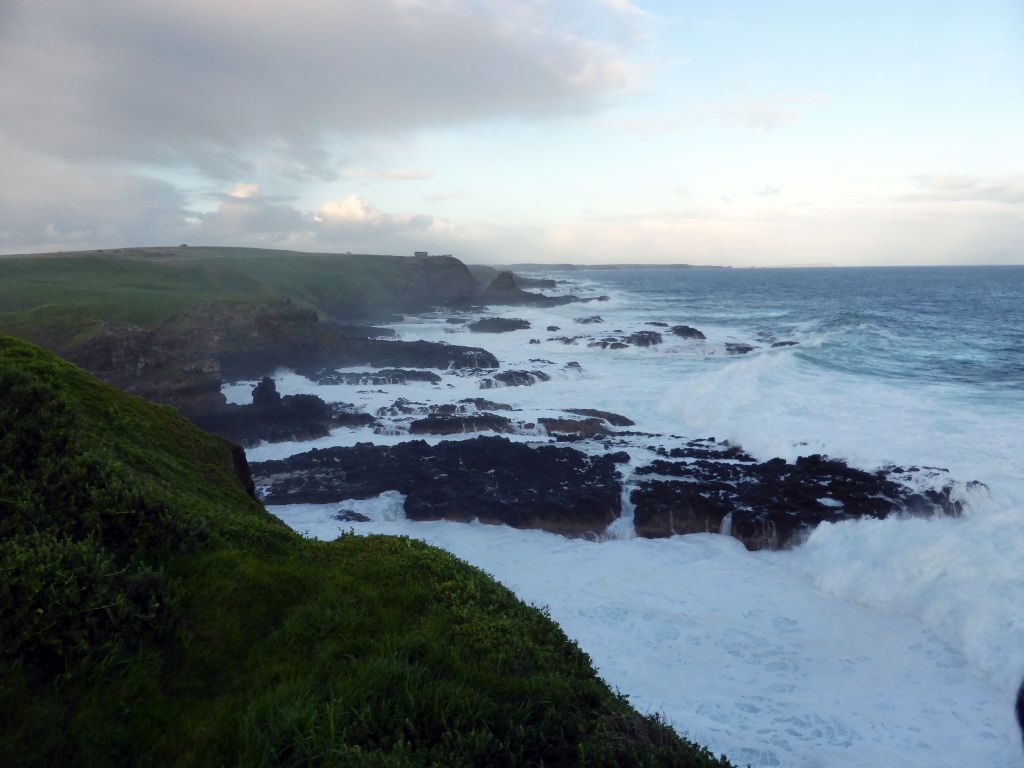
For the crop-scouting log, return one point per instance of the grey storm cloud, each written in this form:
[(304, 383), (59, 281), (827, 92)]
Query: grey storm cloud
[(208, 85), (47, 204)]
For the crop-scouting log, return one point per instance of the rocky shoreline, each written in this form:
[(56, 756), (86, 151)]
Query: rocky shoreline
[(568, 468), (578, 471)]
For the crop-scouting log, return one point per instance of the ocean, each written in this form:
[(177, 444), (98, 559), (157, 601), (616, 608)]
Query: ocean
[(896, 642)]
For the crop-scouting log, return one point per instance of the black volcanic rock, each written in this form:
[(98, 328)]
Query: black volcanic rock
[(544, 283), (578, 428), (612, 418), (771, 504), (486, 405), (503, 290), (738, 349), (778, 344), (488, 478), (644, 338), (498, 325), (265, 394), (686, 332), (413, 354), (383, 377), (349, 516), (274, 418), (553, 328), (588, 320), (514, 379), (454, 425), (368, 331)]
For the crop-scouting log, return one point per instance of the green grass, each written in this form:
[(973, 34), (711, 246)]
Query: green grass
[(60, 300), (165, 618)]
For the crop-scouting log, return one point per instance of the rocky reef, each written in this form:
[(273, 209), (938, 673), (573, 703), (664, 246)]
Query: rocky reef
[(491, 479)]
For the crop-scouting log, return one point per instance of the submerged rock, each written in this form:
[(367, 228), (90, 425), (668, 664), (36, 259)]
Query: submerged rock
[(778, 344), (687, 332), (350, 516), (492, 479), (738, 349), (644, 338), (383, 377)]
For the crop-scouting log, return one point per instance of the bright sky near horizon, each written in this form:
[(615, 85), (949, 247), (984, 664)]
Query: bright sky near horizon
[(742, 133)]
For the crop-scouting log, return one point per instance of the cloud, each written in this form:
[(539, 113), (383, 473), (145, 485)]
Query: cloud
[(626, 8), (350, 210), (869, 233), (211, 85), (46, 204), (967, 188), (245, 190), (402, 174), (767, 114)]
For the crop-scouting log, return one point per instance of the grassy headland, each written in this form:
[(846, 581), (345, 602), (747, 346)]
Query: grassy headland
[(156, 614), (61, 299)]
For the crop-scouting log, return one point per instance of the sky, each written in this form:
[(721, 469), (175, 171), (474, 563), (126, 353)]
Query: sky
[(586, 131)]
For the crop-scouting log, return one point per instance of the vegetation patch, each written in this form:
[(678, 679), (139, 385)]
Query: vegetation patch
[(155, 614)]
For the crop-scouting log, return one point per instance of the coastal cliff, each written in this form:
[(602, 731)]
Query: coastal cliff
[(157, 613)]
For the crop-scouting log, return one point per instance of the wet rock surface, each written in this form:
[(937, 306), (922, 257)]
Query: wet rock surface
[(687, 332), (383, 377), (772, 504), (492, 479), (738, 349), (614, 419), (578, 428), (274, 418), (644, 338), (514, 379), (461, 424), (498, 325), (503, 290)]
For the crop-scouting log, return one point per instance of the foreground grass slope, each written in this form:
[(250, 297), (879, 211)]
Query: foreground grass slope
[(155, 614)]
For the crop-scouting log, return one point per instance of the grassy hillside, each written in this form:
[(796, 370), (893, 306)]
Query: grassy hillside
[(155, 614), (59, 300)]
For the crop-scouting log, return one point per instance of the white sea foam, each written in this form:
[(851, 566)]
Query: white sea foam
[(736, 649), (881, 643)]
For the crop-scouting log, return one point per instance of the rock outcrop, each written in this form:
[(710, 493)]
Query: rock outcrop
[(514, 379), (491, 479), (612, 418), (687, 332), (274, 418), (771, 504), (498, 325), (461, 424), (504, 291)]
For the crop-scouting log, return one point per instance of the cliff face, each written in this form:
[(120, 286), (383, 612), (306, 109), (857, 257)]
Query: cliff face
[(163, 617), (171, 324), (183, 360)]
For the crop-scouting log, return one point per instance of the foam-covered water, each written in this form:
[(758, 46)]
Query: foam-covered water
[(894, 642)]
